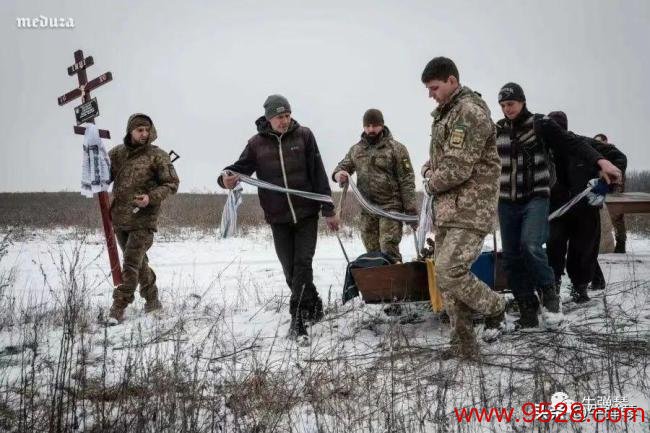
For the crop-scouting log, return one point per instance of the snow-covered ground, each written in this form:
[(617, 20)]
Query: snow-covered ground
[(225, 321)]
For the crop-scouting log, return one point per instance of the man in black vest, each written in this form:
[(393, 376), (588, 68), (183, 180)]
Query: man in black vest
[(286, 154)]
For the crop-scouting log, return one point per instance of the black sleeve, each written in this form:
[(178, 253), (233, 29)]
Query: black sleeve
[(246, 164), (610, 153), (566, 143), (316, 172)]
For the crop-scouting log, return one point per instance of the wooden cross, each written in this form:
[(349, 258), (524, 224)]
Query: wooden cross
[(86, 112)]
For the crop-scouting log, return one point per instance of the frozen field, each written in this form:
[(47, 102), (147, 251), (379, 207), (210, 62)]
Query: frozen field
[(217, 359)]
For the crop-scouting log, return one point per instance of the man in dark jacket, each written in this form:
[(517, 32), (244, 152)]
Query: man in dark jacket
[(525, 142), (618, 220), (286, 154), (575, 236), (143, 176)]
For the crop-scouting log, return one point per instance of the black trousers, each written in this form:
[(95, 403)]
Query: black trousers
[(573, 242), (295, 245)]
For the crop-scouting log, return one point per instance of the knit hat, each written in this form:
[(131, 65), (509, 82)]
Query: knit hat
[(602, 137), (511, 92), (373, 117), (560, 118), (275, 105)]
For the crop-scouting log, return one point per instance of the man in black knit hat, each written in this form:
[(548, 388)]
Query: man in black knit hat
[(526, 142)]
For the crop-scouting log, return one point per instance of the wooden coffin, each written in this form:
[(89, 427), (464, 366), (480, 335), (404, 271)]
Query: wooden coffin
[(406, 282)]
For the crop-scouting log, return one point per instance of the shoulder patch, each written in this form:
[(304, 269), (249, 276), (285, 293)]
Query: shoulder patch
[(457, 136)]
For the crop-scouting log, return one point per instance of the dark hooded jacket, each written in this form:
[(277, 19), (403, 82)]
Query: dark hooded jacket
[(290, 160), (573, 174), (140, 169)]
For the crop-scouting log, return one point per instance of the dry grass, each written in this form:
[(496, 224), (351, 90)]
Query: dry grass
[(67, 373), (201, 212), (71, 210)]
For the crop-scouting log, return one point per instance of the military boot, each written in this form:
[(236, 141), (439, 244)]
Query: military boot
[(314, 313), (152, 305), (528, 308), (461, 349), (121, 299), (579, 293), (494, 327), (550, 298), (620, 247), (115, 315), (297, 327)]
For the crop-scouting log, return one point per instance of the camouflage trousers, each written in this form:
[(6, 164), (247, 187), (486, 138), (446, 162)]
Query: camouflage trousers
[(462, 292), (135, 267), (381, 234)]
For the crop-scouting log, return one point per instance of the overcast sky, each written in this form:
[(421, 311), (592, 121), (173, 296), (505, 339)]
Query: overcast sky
[(203, 69)]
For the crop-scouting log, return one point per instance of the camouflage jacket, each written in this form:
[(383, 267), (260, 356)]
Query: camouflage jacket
[(144, 169), (384, 173), (464, 163)]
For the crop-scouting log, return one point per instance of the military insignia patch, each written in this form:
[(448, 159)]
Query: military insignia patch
[(457, 137), (407, 164)]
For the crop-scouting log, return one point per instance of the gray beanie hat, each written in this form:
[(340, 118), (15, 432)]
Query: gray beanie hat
[(275, 105)]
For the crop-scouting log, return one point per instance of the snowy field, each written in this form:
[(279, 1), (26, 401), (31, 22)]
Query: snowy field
[(217, 358)]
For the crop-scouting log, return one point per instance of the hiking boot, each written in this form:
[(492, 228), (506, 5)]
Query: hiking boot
[(620, 247), (151, 306), (493, 327), (297, 327), (579, 293), (550, 298), (527, 313)]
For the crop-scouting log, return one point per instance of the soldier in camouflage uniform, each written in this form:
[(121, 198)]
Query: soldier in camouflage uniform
[(143, 176), (463, 174), (384, 177)]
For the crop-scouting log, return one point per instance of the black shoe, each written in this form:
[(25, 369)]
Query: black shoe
[(620, 247), (528, 308), (550, 298), (579, 293), (597, 285), (314, 313), (297, 327)]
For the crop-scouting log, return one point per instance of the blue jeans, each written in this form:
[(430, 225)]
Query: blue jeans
[(524, 229)]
